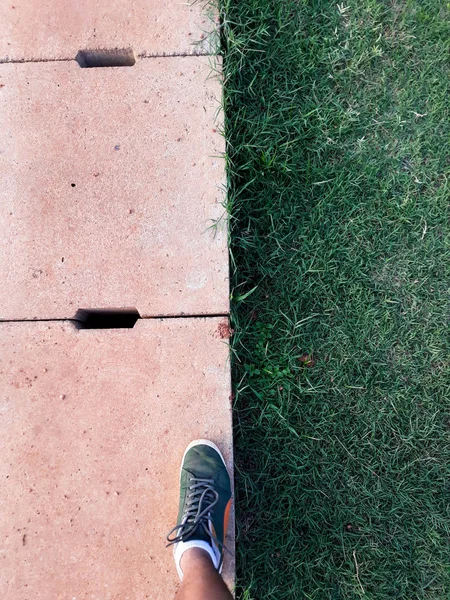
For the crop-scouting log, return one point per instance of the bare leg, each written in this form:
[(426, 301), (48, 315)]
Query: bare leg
[(201, 581)]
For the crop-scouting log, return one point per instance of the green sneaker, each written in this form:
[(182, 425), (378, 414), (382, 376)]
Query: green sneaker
[(205, 503)]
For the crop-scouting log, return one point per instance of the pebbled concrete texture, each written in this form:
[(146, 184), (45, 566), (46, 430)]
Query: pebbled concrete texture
[(43, 30), (94, 424), (111, 181)]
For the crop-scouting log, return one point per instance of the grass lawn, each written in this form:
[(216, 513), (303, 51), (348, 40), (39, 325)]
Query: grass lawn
[(338, 129)]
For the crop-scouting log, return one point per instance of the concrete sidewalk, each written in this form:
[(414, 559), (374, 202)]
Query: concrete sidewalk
[(111, 184), (112, 189), (59, 29), (93, 428)]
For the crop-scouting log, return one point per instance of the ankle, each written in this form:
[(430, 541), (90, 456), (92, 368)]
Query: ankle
[(194, 552), (194, 559)]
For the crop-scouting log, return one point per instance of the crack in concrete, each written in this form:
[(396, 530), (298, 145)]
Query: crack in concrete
[(6, 61), (149, 318)]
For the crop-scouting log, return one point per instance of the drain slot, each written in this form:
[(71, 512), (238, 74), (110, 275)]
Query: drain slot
[(115, 57), (124, 318)]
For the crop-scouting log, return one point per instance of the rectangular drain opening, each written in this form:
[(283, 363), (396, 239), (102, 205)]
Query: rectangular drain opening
[(108, 57), (124, 318)]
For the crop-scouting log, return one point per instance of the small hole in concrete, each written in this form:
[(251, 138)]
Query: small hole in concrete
[(122, 318), (73, 184), (115, 57)]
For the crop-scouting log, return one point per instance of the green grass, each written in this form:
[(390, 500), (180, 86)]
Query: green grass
[(338, 129)]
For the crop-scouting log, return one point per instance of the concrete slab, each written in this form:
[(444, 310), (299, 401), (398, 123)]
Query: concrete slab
[(93, 425), (58, 29), (111, 180)]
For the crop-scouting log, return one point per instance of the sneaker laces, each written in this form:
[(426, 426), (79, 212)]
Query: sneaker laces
[(201, 499)]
